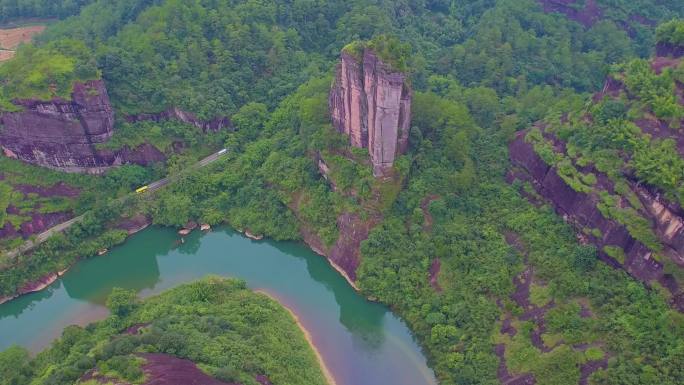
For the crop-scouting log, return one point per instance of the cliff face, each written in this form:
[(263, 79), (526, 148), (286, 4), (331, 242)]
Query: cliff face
[(372, 105), (581, 210), (596, 184), (60, 133)]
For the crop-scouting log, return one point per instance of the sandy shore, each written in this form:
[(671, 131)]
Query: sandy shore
[(324, 368)]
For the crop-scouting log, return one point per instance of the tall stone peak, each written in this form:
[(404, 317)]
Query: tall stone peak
[(370, 102)]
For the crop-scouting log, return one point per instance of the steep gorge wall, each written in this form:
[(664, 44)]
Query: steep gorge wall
[(371, 104)]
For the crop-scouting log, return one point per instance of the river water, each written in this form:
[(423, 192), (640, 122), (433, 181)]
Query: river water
[(362, 342)]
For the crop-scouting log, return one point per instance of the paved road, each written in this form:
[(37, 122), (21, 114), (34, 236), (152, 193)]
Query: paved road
[(154, 186)]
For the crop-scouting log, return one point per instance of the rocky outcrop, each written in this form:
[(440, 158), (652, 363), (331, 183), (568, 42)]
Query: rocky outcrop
[(581, 209), (60, 133), (372, 105), (215, 124), (345, 254), (64, 134)]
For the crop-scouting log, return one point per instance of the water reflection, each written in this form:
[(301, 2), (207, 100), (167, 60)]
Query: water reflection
[(367, 328), (25, 303), (137, 270)]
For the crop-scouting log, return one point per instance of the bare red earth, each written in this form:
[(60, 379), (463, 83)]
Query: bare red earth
[(435, 267), (588, 368), (41, 222)]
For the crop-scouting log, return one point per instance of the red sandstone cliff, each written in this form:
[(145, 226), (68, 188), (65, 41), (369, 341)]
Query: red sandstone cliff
[(581, 210), (63, 134), (60, 133), (372, 105)]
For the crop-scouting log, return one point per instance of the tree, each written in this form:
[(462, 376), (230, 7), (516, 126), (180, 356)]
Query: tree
[(122, 302), (14, 366)]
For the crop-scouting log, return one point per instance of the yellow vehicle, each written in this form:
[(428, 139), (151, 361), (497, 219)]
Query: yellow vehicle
[(142, 189)]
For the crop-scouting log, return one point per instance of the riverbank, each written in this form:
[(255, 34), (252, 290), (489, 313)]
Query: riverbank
[(361, 343), (131, 225), (324, 368)]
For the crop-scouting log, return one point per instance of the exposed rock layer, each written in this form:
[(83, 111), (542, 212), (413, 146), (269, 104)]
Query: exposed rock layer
[(60, 133), (581, 209), (63, 134), (372, 105), (345, 254)]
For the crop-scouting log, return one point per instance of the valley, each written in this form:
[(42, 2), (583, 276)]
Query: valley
[(435, 192)]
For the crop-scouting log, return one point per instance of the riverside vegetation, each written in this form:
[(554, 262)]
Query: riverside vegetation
[(228, 331), (481, 71)]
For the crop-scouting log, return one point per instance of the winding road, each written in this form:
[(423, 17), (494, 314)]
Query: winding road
[(154, 186)]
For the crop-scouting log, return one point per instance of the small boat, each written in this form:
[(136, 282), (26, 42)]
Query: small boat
[(205, 227), (102, 251)]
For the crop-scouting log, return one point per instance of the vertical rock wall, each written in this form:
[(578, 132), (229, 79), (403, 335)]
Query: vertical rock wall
[(372, 105), (60, 133)]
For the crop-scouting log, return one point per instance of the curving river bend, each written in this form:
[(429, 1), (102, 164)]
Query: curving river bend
[(362, 343)]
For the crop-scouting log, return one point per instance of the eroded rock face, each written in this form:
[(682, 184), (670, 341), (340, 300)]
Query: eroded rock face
[(372, 105), (60, 133), (581, 210)]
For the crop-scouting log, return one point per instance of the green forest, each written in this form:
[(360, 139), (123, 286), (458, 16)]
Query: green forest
[(481, 71)]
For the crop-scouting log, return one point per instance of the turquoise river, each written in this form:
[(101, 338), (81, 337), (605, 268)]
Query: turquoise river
[(361, 342)]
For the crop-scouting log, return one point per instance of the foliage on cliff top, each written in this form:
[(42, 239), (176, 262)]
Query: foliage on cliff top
[(389, 49), (231, 332), (45, 72), (671, 32)]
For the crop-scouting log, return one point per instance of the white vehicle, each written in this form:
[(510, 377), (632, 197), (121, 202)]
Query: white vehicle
[(223, 151)]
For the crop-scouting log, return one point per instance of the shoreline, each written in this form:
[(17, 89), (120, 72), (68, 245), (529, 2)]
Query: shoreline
[(341, 271), (42, 283), (321, 363), (136, 230)]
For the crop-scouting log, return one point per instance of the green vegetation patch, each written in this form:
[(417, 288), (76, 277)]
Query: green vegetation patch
[(45, 72), (232, 333), (389, 49), (559, 366), (540, 295), (671, 32)]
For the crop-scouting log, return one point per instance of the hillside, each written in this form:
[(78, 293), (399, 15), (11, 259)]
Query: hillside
[(495, 285), (615, 169)]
